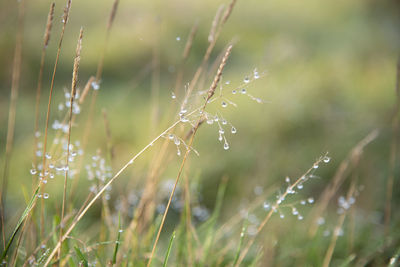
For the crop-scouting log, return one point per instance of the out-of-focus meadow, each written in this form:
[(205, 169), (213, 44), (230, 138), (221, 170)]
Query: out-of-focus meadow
[(328, 79)]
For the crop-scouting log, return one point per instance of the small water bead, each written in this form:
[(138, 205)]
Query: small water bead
[(33, 171), (227, 82), (256, 75), (51, 176), (184, 119), (178, 38), (302, 202), (44, 181), (39, 153), (221, 131), (39, 195), (95, 86), (210, 121), (224, 104), (300, 186), (243, 91), (295, 211), (170, 136), (67, 95), (281, 216), (287, 180), (48, 156), (173, 96), (220, 138), (120, 230), (178, 152), (177, 141), (60, 106), (73, 154), (46, 195), (234, 92), (226, 146), (183, 111), (315, 166), (300, 217), (246, 80), (224, 122), (310, 200), (233, 130), (327, 159), (51, 166), (266, 205), (37, 134), (320, 221)]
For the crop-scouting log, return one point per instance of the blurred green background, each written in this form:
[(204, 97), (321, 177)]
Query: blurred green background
[(330, 80)]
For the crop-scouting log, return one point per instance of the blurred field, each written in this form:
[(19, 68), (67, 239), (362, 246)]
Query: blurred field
[(330, 79)]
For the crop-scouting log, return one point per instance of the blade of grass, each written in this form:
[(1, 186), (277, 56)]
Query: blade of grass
[(19, 224), (118, 240), (171, 241), (244, 228), (81, 256)]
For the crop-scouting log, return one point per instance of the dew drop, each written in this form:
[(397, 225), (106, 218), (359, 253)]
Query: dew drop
[(226, 146), (302, 202), (173, 96), (310, 200), (266, 205), (221, 131), (256, 75), (315, 166), (95, 86), (224, 104), (243, 91), (178, 152), (170, 136), (299, 186), (281, 216), (287, 180), (220, 138), (178, 38), (233, 130), (224, 122), (48, 156), (300, 217), (234, 92), (246, 80), (33, 171), (210, 121), (227, 82), (177, 141), (46, 195), (327, 159)]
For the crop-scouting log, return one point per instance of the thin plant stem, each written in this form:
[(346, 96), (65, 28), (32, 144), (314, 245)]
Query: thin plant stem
[(210, 93)]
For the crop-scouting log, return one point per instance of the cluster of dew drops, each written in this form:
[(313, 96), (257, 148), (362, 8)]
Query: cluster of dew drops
[(278, 205), (56, 164), (216, 119)]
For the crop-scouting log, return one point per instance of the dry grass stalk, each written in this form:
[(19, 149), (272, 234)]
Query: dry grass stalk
[(393, 153), (46, 40), (338, 227), (215, 23), (72, 99), (86, 89), (107, 128), (207, 55), (65, 20), (351, 160), (210, 93), (16, 73)]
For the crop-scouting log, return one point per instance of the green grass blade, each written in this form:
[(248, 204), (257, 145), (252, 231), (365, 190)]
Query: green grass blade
[(19, 224), (81, 257), (171, 241), (244, 228), (118, 240)]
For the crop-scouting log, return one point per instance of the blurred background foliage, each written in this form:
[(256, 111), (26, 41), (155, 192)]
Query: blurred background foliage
[(330, 80)]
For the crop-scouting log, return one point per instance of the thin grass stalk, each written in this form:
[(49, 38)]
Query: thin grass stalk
[(275, 207), (350, 161), (207, 55), (46, 40), (393, 154), (65, 20), (16, 73), (210, 94), (96, 82), (72, 99), (332, 244)]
